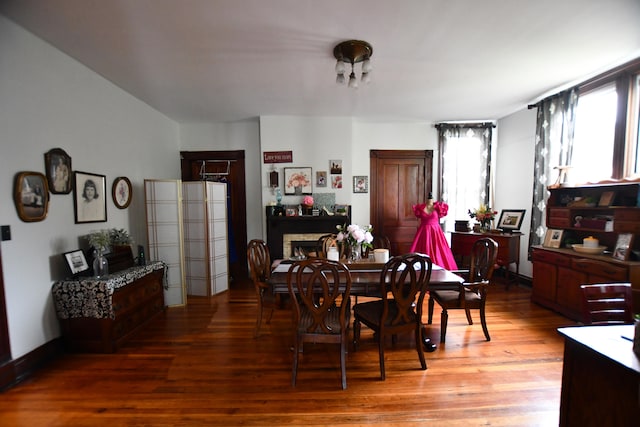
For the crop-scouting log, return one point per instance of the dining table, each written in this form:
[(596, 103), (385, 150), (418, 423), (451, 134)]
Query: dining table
[(365, 277)]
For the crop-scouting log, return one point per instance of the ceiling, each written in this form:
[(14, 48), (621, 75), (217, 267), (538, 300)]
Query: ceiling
[(433, 60)]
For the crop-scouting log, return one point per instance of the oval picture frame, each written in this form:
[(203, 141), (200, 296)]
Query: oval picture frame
[(121, 192), (31, 196)]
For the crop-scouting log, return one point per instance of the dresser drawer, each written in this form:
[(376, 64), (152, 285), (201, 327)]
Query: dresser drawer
[(600, 268), (551, 258)]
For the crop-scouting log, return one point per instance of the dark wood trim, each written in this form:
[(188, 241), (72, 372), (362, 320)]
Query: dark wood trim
[(19, 369)]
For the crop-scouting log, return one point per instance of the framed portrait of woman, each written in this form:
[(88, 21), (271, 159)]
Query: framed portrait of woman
[(89, 197), (57, 165), (121, 192)]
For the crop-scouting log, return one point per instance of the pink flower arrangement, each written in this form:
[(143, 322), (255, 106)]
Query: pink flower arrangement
[(298, 180), (307, 201)]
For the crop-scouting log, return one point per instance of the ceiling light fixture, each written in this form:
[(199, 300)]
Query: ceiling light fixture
[(353, 52)]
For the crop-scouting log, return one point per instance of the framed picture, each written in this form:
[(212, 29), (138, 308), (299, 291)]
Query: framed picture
[(511, 219), (623, 246), (31, 196), (336, 181), (335, 167), (121, 192), (76, 261), (553, 238), (290, 211), (57, 166), (321, 178), (89, 197), (360, 184), (297, 181), (606, 198)]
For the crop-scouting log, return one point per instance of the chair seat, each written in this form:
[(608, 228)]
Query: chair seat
[(449, 298), (371, 312)]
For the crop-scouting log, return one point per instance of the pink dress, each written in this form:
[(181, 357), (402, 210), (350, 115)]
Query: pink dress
[(430, 239)]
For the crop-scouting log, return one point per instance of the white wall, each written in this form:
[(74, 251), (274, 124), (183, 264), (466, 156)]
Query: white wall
[(245, 136), (317, 140), (48, 100), (514, 172)]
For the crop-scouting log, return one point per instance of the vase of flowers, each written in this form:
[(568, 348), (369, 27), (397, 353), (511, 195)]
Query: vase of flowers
[(307, 204), (484, 215), (100, 241), (356, 238)]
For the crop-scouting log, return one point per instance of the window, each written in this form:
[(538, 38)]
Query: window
[(464, 179), (606, 141), (592, 158)]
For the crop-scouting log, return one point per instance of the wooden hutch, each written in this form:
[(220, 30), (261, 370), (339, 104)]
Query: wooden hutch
[(603, 211)]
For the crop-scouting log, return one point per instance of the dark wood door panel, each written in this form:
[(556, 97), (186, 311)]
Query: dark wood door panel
[(399, 179)]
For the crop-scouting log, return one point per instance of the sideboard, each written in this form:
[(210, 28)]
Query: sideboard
[(98, 315), (508, 250)]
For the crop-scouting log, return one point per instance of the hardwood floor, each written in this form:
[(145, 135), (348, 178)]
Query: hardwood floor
[(200, 365)]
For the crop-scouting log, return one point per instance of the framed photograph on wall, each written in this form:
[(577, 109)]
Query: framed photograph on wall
[(335, 167), (31, 196), (360, 184), (553, 238), (321, 178), (121, 192), (89, 197), (57, 165), (297, 181), (623, 246)]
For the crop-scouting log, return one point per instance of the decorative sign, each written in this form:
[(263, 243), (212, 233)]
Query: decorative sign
[(277, 156)]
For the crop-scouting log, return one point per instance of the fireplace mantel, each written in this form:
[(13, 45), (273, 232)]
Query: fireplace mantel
[(278, 226)]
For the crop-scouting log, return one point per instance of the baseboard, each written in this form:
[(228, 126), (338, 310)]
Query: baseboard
[(15, 371)]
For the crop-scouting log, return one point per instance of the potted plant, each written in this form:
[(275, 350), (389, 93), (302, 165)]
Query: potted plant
[(100, 241)]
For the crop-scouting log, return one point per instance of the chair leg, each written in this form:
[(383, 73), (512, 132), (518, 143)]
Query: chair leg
[(356, 334), (296, 352), (419, 336), (381, 352), (343, 361), (430, 310), (258, 321), (483, 321), (443, 324), (468, 313)]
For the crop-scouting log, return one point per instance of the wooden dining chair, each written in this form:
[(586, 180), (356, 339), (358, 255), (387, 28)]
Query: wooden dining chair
[(259, 263), (319, 290), (402, 280), (325, 242), (607, 304), (379, 242), (472, 293)]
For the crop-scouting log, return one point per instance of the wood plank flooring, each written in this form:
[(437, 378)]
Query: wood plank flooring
[(200, 365)]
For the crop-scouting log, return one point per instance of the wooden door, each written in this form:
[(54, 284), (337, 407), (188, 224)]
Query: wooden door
[(399, 180), (225, 166)]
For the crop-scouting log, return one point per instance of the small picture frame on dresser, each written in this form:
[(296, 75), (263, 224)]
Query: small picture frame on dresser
[(553, 238), (623, 247), (76, 262)]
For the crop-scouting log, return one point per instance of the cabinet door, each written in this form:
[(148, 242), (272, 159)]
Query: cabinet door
[(569, 294), (544, 281)]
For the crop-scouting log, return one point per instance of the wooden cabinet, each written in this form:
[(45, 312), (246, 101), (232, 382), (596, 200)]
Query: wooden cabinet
[(99, 315), (601, 211), (600, 377), (558, 274), (508, 249)]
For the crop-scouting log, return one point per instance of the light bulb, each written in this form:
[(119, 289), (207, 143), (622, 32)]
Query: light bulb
[(340, 67), (366, 66), (340, 79), (353, 82), (366, 78)]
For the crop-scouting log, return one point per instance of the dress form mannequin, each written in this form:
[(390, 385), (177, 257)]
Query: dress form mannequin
[(430, 238)]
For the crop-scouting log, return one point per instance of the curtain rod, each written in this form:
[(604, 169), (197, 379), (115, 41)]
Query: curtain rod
[(445, 125)]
